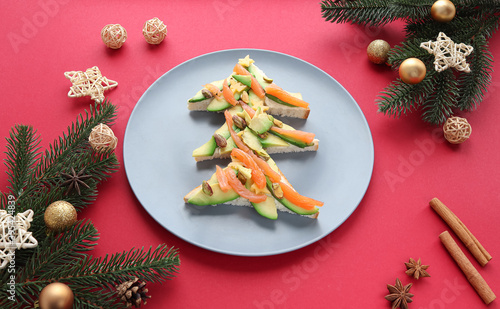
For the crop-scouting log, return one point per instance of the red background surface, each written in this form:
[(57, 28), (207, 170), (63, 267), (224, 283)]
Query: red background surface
[(349, 268)]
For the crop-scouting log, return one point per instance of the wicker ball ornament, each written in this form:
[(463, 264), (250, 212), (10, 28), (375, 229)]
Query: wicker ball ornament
[(457, 130), (154, 31), (114, 35), (102, 138)]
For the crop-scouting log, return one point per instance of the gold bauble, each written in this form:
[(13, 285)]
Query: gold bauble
[(378, 51), (59, 216), (443, 11), (56, 295), (412, 71)]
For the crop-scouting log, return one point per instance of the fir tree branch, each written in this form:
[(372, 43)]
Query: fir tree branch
[(88, 276), (490, 5), (99, 300), (65, 150), (439, 105), (59, 249), (22, 153), (97, 165), (460, 29), (408, 49), (3, 200), (473, 85), (400, 98), (40, 184), (374, 12), (154, 266)]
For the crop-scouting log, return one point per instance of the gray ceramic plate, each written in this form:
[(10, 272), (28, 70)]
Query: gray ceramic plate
[(161, 135)]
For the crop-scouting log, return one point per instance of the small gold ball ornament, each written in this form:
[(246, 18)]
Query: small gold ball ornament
[(443, 11), (378, 51), (56, 295), (59, 216), (457, 130), (412, 71)]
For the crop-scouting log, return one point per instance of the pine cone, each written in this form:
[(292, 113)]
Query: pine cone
[(133, 292)]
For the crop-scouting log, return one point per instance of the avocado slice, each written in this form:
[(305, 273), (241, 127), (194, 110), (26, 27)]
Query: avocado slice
[(267, 208), (235, 110), (200, 97), (272, 141), (244, 79), (213, 180), (260, 122), (258, 74), (218, 105), (206, 149), (229, 147), (296, 209), (292, 140), (252, 141), (254, 99), (223, 130), (218, 197), (221, 104)]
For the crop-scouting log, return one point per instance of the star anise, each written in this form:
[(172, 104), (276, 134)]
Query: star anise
[(416, 269), (400, 296), (75, 180)]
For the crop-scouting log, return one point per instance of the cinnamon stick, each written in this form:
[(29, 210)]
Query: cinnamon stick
[(471, 273), (471, 242)]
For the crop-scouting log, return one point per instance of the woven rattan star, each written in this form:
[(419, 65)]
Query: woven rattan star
[(14, 235), (89, 83), (399, 295), (447, 54), (75, 180)]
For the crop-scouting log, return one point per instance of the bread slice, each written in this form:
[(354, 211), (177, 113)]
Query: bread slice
[(199, 197), (245, 203), (275, 108), (286, 111), (270, 150), (241, 82), (200, 105), (269, 140)]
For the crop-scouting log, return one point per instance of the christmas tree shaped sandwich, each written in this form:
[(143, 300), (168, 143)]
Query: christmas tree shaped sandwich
[(260, 131), (252, 179), (250, 84)]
